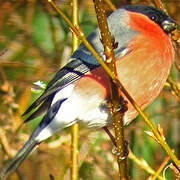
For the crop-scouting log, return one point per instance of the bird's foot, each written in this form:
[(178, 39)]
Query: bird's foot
[(122, 105), (121, 156)]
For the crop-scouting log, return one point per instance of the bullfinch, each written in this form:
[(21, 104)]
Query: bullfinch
[(79, 92)]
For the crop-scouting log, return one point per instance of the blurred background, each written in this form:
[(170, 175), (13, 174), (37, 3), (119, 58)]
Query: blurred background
[(34, 43)]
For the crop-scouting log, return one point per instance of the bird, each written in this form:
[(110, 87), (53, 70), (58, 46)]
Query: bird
[(80, 93)]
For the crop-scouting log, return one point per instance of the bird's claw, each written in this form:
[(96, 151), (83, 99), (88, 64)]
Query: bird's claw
[(122, 105), (119, 154)]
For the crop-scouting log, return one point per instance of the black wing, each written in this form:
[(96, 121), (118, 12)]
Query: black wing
[(69, 74)]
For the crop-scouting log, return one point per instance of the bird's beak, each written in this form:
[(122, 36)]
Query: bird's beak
[(169, 25)]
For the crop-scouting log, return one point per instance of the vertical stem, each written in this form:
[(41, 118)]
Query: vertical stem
[(121, 146), (115, 96), (75, 127)]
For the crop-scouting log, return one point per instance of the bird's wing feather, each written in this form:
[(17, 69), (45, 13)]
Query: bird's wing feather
[(69, 74)]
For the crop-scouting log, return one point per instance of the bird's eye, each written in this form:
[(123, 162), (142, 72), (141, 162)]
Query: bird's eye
[(154, 18)]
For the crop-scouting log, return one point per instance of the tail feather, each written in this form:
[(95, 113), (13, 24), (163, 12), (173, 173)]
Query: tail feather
[(18, 159)]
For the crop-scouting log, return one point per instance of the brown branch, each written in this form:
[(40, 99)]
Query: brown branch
[(115, 97)]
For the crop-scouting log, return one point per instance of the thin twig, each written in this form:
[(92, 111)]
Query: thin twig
[(143, 164), (174, 87), (75, 127), (161, 168), (160, 5)]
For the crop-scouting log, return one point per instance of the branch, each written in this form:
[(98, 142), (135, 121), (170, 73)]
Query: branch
[(75, 127), (115, 97)]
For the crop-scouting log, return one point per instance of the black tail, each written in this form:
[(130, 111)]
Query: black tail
[(18, 159)]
